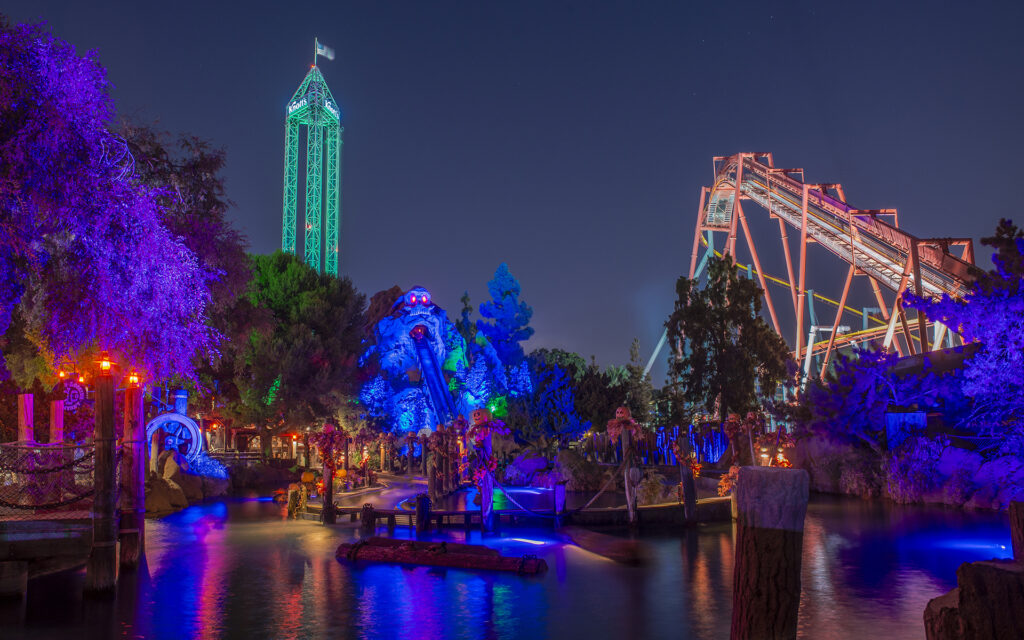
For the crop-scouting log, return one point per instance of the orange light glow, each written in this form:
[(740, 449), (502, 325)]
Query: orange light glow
[(133, 378), (81, 378), (60, 374)]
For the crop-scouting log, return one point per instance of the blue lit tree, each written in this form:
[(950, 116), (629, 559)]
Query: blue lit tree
[(508, 319)]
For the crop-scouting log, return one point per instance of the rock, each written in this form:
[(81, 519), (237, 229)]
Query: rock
[(191, 485), (524, 467), (954, 459), (988, 603), (176, 495), (1010, 493), (997, 472), (215, 487), (983, 498), (158, 498)]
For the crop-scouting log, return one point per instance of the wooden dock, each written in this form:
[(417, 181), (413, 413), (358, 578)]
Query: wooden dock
[(669, 514)]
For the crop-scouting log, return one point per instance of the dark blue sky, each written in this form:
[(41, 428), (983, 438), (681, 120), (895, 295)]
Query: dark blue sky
[(571, 139)]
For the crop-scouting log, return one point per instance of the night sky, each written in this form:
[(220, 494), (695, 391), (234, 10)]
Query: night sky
[(571, 139)]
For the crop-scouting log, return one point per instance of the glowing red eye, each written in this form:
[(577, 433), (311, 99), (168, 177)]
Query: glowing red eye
[(413, 299)]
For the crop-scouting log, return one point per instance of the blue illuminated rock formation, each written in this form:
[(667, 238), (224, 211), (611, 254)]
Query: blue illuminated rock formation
[(421, 357)]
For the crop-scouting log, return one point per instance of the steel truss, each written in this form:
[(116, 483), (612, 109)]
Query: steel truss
[(314, 107), (869, 241)]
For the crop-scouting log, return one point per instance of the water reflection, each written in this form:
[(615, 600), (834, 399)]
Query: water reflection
[(242, 570)]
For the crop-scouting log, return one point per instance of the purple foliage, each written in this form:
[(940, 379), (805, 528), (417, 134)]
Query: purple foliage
[(84, 249), (992, 314)]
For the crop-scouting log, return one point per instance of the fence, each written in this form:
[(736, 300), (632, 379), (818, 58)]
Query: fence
[(44, 479), (656, 447)]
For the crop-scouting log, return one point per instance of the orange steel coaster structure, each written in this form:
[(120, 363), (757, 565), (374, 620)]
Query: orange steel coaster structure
[(869, 241)]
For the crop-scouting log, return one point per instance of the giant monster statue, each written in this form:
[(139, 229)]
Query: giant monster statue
[(419, 353)]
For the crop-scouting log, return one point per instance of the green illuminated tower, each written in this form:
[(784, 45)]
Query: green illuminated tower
[(315, 107)]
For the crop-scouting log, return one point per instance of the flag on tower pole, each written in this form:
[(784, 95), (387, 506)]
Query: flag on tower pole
[(322, 50)]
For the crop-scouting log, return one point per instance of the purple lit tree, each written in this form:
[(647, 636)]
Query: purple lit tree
[(86, 257), (992, 315)]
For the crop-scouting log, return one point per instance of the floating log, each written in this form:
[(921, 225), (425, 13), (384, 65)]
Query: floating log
[(622, 550), (436, 547), (436, 555)]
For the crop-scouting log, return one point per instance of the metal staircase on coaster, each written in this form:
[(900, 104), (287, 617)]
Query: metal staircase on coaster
[(869, 241)]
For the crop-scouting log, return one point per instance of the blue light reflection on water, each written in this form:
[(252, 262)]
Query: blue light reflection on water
[(242, 570)]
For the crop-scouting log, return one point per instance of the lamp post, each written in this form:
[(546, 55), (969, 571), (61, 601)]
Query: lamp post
[(101, 568), (133, 477)]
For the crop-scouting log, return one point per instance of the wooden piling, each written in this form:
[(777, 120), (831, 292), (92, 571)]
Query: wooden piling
[(771, 503), (328, 513), (13, 580), (487, 488), (422, 513), (56, 421), (1017, 530), (686, 479), (368, 519), (101, 568), (26, 420), (133, 480)]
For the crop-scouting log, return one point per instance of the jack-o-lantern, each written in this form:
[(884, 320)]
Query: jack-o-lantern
[(622, 413), (480, 416)]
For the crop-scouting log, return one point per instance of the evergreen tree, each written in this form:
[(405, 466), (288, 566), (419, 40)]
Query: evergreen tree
[(298, 369), (720, 348), (465, 323), (638, 387), (509, 318)]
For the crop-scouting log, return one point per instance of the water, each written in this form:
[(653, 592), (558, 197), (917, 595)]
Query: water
[(240, 570)]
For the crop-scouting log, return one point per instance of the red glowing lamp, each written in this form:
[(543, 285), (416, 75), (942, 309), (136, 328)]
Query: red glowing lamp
[(133, 377), (106, 364)]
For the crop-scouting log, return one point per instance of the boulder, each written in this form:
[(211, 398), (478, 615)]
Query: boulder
[(176, 495), (158, 496), (163, 496), (215, 487), (191, 485), (988, 603), (954, 459), (524, 467), (983, 498)]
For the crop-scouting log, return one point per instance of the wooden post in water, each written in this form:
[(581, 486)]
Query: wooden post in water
[(770, 504), (101, 568), (631, 478), (431, 476), (26, 422), (487, 488), (686, 478), (422, 513), (1017, 530), (133, 477)]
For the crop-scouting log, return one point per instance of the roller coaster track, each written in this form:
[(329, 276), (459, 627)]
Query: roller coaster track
[(869, 241)]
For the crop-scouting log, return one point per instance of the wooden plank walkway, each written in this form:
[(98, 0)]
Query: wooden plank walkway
[(708, 510)]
